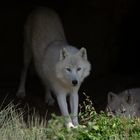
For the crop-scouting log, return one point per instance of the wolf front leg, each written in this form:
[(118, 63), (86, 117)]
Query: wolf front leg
[(62, 102), (74, 101)]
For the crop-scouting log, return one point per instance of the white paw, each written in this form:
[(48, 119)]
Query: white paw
[(20, 94), (70, 125)]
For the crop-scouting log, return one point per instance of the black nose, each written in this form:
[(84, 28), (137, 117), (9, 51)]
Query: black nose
[(74, 82)]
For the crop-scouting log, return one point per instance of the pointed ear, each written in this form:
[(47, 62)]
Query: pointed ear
[(128, 97), (111, 96), (63, 54), (83, 53)]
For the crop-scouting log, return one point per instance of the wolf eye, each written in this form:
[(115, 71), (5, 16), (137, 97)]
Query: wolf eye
[(68, 69), (78, 69), (113, 111), (123, 111)]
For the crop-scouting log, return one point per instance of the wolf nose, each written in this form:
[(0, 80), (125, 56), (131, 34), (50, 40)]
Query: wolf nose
[(74, 82)]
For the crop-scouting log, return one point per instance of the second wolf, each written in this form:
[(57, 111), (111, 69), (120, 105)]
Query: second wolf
[(61, 67), (126, 103)]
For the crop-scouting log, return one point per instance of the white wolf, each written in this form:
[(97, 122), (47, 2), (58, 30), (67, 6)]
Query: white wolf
[(126, 103), (61, 67)]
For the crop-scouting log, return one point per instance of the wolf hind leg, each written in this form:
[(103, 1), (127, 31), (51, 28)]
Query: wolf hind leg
[(48, 97), (26, 62)]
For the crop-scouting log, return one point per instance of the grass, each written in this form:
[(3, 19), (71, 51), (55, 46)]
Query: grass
[(13, 126), (93, 126)]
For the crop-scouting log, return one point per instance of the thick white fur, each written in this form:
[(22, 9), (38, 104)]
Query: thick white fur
[(61, 67)]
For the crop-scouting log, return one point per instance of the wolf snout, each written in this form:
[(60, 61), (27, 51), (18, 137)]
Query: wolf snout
[(74, 82)]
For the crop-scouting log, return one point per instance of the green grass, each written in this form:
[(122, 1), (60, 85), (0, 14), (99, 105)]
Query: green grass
[(93, 126)]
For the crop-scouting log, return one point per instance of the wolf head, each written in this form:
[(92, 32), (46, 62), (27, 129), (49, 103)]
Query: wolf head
[(122, 104), (73, 66)]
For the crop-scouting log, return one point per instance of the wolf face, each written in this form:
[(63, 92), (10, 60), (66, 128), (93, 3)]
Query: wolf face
[(72, 68), (122, 104)]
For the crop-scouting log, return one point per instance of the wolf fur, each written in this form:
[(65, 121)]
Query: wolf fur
[(61, 67), (126, 103)]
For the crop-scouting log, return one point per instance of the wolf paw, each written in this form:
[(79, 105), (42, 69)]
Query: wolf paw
[(70, 125), (21, 94)]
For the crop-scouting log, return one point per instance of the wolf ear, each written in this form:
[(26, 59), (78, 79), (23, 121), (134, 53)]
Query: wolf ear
[(111, 96), (128, 98), (83, 53), (63, 54)]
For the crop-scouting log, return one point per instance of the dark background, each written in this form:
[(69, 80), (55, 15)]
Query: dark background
[(108, 29)]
